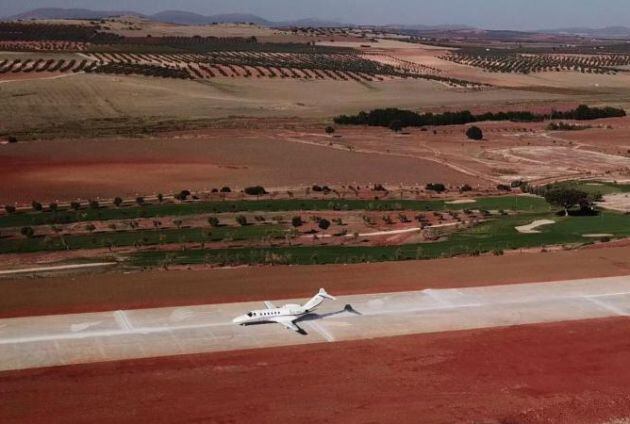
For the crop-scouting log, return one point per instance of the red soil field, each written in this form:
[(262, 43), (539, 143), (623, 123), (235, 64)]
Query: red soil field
[(56, 170), (554, 373), (112, 291)]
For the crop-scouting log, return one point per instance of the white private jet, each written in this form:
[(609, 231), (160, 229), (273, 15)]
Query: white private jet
[(286, 315)]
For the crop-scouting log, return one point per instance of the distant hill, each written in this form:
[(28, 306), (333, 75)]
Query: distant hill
[(313, 23), (619, 32), (168, 16), (190, 18), (58, 13)]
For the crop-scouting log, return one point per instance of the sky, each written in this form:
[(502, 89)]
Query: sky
[(490, 14)]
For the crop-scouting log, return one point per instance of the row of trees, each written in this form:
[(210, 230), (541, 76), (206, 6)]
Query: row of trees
[(407, 118), (510, 62), (140, 200), (32, 31)]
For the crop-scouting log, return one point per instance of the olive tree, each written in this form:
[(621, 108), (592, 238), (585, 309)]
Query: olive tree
[(474, 133), (566, 198)]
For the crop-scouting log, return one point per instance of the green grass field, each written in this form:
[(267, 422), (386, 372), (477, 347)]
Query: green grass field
[(594, 187), (110, 212), (496, 235)]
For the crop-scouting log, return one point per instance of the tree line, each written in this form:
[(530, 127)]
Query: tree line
[(407, 118)]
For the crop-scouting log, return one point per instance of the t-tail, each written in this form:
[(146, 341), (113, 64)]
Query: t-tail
[(318, 299)]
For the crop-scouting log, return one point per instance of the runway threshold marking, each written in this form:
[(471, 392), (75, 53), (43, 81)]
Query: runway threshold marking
[(606, 306), (123, 321), (321, 331)]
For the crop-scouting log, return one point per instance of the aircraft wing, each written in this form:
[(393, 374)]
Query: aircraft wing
[(287, 322), (269, 305)]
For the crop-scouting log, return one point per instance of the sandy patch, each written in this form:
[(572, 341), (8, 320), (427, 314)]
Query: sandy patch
[(618, 202), (532, 228), (461, 202)]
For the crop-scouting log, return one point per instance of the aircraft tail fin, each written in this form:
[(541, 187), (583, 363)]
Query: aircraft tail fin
[(325, 295), (318, 299)]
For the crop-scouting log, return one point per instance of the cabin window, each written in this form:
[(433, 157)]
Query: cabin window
[(250, 314)]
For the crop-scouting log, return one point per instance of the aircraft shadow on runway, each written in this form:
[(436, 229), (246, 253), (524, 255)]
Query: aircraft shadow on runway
[(316, 317)]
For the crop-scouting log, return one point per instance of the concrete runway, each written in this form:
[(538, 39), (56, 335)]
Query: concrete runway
[(32, 342)]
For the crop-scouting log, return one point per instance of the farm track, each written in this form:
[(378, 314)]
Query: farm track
[(436, 159)]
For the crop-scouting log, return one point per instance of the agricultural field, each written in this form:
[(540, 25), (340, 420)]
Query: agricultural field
[(193, 57), (526, 63)]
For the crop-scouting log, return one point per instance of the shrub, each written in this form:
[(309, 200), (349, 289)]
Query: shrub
[(255, 191), (226, 189), (90, 227), (53, 207), (465, 188), (396, 125), (324, 224), (118, 201), (140, 201), (160, 197), (94, 204), (9, 208), (213, 221), (241, 220), (37, 206), (504, 187), (317, 188), (474, 133), (27, 232), (75, 205), (182, 195), (12, 139), (296, 221), (437, 187), (330, 130)]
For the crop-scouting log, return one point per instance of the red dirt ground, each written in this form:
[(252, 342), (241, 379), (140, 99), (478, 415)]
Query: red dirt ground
[(113, 290), (555, 373), (56, 170)]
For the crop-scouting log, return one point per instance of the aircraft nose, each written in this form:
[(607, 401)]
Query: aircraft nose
[(239, 319)]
